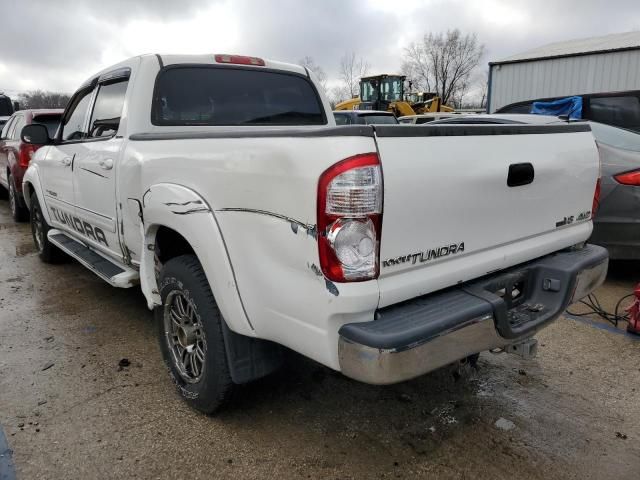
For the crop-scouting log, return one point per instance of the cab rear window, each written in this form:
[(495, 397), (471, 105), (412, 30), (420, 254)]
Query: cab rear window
[(50, 121), (198, 95)]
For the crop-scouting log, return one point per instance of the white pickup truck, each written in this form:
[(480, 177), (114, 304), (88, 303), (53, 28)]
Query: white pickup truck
[(222, 186)]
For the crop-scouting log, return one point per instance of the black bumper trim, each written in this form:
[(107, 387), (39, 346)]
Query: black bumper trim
[(416, 321)]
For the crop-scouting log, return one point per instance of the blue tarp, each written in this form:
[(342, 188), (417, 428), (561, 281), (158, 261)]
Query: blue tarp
[(571, 106)]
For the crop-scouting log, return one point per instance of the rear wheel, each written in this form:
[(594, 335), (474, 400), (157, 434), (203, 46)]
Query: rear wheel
[(47, 251), (190, 333), (18, 211)]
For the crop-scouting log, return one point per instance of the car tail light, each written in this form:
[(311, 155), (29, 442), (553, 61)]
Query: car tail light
[(240, 60), (596, 199), (629, 178), (26, 153), (350, 219)]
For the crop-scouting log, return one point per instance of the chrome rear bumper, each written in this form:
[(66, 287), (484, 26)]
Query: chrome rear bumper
[(419, 336)]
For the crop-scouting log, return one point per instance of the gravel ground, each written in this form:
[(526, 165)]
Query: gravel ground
[(69, 410)]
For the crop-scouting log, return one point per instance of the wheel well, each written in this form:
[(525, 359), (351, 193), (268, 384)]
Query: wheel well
[(170, 244)]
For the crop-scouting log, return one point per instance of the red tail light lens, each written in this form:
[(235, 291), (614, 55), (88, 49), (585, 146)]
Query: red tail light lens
[(26, 153), (596, 199), (350, 219), (629, 178), (240, 60)]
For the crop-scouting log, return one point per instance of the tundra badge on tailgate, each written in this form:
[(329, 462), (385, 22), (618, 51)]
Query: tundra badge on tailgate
[(425, 256)]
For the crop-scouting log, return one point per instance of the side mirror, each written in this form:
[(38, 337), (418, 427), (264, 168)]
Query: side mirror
[(16, 106), (35, 134)]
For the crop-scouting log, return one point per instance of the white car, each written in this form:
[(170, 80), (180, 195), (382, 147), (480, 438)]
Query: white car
[(222, 185)]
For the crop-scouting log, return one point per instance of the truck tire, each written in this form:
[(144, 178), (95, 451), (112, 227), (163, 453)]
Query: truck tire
[(47, 251), (18, 211), (190, 333)]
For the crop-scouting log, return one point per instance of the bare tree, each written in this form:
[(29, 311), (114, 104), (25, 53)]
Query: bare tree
[(317, 70), (352, 69), (443, 63), (43, 99)]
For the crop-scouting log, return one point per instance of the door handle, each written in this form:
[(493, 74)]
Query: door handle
[(66, 161), (106, 163), (520, 174)]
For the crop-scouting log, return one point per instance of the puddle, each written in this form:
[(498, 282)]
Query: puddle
[(25, 249)]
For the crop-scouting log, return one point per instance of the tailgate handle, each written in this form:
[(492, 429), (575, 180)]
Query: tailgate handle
[(520, 174)]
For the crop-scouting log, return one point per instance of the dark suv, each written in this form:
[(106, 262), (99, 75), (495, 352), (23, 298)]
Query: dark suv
[(16, 155)]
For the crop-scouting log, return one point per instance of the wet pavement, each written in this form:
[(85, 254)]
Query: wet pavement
[(68, 410)]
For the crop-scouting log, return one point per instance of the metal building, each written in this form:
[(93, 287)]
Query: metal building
[(592, 65)]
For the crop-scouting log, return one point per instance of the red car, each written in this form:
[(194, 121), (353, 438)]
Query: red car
[(16, 155)]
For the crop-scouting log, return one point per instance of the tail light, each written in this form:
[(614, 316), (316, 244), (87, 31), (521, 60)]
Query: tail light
[(25, 154), (629, 178), (596, 199), (350, 219)]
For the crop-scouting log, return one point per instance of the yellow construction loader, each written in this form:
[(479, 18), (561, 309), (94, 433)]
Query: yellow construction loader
[(386, 92)]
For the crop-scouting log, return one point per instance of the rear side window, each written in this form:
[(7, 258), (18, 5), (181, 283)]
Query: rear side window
[(19, 124), (622, 111), (49, 121), (6, 128), (234, 96), (105, 118)]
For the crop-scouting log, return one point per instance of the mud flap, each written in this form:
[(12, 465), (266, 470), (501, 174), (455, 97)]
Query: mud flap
[(250, 358)]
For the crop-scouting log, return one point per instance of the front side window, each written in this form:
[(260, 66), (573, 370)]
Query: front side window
[(234, 96), (105, 118), (369, 90), (74, 127)]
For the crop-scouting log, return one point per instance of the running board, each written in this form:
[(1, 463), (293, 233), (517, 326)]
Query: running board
[(113, 273)]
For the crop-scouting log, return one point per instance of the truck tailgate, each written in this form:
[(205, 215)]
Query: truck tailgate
[(463, 201)]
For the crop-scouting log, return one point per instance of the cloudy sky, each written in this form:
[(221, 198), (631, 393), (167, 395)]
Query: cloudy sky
[(56, 44)]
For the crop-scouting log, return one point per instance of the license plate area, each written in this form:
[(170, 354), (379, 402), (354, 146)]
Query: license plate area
[(518, 307)]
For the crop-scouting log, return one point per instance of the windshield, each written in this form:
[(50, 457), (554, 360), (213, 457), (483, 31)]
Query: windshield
[(392, 89), (379, 119), (616, 137), (203, 95)]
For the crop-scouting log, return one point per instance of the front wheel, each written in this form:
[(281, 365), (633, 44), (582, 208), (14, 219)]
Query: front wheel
[(190, 333), (18, 211)]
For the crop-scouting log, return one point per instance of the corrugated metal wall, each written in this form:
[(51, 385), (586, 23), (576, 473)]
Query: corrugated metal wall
[(602, 72)]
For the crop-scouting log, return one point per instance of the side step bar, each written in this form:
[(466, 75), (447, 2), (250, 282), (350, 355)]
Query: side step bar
[(115, 274)]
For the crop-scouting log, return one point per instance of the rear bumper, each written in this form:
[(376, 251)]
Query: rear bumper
[(415, 337)]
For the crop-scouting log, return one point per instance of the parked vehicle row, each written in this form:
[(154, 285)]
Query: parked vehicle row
[(15, 154), (253, 222)]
